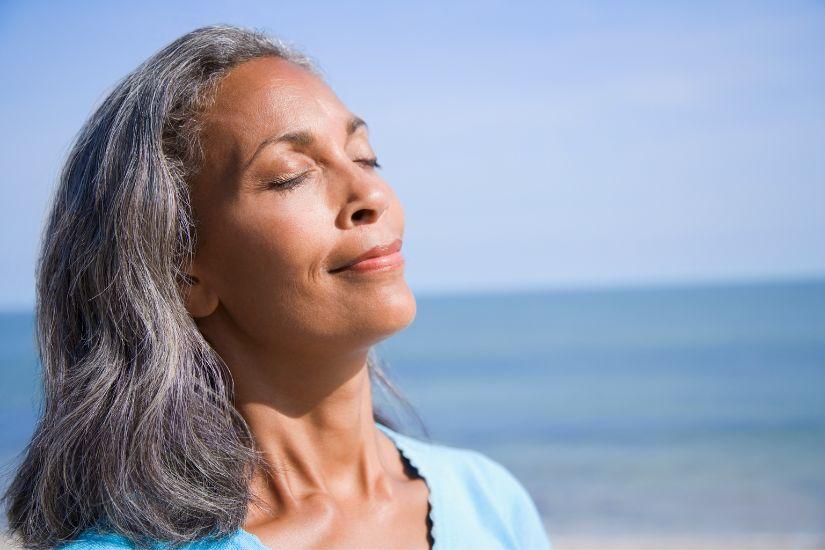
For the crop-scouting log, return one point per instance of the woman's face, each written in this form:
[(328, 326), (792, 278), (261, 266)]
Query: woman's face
[(264, 253)]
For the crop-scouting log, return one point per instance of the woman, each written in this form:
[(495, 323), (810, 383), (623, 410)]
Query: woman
[(220, 258)]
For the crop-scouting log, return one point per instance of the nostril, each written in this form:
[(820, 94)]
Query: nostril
[(361, 214)]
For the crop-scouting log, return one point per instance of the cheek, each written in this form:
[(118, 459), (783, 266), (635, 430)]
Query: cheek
[(267, 262)]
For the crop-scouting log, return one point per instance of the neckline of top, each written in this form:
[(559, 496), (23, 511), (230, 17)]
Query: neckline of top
[(404, 444)]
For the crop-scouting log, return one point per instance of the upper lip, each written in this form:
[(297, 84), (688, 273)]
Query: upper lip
[(374, 252)]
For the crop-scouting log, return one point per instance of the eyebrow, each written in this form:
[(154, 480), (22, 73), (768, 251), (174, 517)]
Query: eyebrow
[(302, 137)]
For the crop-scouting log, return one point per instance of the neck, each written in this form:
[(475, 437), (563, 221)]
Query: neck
[(313, 422)]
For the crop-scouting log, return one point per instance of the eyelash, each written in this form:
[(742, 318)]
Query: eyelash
[(292, 183), (373, 162)]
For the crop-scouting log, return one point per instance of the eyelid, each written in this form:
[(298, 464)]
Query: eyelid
[(371, 161), (289, 181)]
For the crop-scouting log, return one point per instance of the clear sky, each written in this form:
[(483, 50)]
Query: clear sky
[(532, 144)]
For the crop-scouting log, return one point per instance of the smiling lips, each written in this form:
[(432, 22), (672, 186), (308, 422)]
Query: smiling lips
[(381, 257)]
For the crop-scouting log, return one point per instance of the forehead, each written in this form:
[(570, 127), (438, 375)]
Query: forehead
[(266, 95)]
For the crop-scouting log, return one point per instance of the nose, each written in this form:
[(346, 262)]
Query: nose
[(367, 197)]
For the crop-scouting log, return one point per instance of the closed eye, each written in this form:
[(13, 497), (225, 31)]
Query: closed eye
[(371, 162), (290, 183)]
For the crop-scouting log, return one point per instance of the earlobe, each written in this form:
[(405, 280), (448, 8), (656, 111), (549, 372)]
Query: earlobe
[(200, 300)]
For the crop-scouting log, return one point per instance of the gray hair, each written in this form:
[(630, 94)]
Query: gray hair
[(138, 434)]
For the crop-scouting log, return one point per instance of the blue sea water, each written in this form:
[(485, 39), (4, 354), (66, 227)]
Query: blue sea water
[(659, 410)]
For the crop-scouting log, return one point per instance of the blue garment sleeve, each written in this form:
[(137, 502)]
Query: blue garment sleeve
[(528, 527), (90, 540)]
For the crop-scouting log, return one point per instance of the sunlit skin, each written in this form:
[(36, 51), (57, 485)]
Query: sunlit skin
[(294, 335)]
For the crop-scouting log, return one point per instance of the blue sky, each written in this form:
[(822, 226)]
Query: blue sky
[(533, 145)]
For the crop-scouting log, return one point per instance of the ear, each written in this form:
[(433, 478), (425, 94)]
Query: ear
[(199, 298)]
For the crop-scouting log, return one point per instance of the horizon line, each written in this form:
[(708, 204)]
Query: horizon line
[(584, 287)]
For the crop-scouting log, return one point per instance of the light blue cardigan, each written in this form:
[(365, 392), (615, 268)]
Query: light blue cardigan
[(475, 503)]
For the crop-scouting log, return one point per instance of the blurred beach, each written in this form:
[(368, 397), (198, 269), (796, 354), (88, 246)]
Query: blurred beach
[(665, 415), (668, 417)]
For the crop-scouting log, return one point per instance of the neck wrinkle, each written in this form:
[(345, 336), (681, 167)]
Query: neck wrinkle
[(333, 449)]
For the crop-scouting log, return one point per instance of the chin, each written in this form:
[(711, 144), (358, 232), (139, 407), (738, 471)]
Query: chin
[(389, 312)]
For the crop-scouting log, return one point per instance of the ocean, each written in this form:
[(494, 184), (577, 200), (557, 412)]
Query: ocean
[(666, 410)]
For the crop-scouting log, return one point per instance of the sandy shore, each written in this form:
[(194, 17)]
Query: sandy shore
[(689, 542)]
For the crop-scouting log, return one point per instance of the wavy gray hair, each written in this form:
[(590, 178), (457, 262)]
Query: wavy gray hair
[(138, 434)]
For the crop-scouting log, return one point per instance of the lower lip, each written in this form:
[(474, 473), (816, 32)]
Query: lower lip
[(381, 263)]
